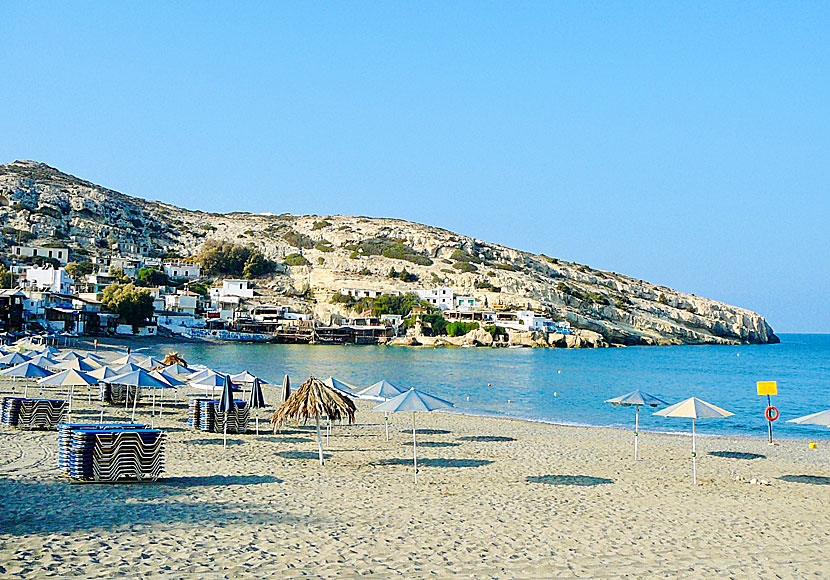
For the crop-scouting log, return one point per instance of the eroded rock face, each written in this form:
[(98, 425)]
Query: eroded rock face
[(343, 251)]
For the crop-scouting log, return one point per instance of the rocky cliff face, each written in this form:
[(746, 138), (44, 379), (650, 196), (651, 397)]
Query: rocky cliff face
[(345, 251)]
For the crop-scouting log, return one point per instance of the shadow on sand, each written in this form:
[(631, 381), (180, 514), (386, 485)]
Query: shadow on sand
[(737, 455), (437, 462), (217, 441), (581, 480), (811, 479), (301, 455), (487, 438), (218, 480), (433, 443), (427, 431)]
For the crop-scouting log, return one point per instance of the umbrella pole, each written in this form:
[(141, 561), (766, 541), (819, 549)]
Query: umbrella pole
[(319, 439), (225, 432), (414, 449), (135, 400), (694, 455), (636, 430), (386, 420), (69, 412), (257, 424)]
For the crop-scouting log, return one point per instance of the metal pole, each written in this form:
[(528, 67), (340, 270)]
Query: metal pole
[(414, 448), (694, 455), (135, 399), (319, 439), (769, 423), (386, 419), (225, 432), (636, 430)]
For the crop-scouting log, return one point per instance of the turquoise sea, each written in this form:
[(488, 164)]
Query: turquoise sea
[(569, 386)]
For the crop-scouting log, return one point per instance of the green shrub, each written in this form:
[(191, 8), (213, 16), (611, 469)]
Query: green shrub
[(320, 225), (229, 259), (465, 267), (389, 248), (460, 328), (298, 240), (463, 256), (323, 246), (296, 260)]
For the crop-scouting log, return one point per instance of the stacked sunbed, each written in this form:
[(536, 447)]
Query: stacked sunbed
[(125, 452), (115, 394), (194, 407), (210, 419), (26, 413)]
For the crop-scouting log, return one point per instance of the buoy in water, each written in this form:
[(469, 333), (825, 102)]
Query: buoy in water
[(489, 384), (559, 371), (508, 401), (468, 397), (554, 393)]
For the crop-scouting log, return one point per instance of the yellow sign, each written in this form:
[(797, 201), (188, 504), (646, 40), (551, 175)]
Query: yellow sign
[(767, 387)]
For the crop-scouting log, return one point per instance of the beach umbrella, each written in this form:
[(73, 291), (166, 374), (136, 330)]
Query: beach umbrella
[(694, 409), (129, 359), (211, 381), (69, 378), (636, 399), (44, 360), (138, 379), (151, 363), (176, 370), (381, 391), (27, 370), (79, 364), (13, 359), (314, 399), (257, 400), (413, 401), (126, 368), (94, 357), (48, 350), (225, 405), (340, 386), (247, 378), (286, 389), (68, 355), (198, 374), (820, 418), (172, 382)]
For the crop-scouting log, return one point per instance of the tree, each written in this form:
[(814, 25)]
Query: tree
[(152, 277), (229, 259), (5, 277), (133, 306), (78, 270)]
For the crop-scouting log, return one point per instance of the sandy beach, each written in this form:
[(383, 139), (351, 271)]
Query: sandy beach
[(495, 499)]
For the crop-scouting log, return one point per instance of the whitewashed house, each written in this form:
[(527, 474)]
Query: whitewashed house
[(47, 279), (179, 269), (59, 254), (441, 297)]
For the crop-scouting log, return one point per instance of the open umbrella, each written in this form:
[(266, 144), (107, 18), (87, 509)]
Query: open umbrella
[(137, 379), (694, 408), (68, 355), (247, 378), (314, 399), (636, 399), (43, 360), (13, 359), (413, 401), (129, 359), (381, 391), (27, 370), (225, 405), (151, 363), (125, 368), (821, 418), (176, 370), (200, 373), (70, 378), (79, 364), (286, 389), (211, 382), (337, 385), (257, 401)]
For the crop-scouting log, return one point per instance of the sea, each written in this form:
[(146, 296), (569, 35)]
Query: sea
[(568, 386)]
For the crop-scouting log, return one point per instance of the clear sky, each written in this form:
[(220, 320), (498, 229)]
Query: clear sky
[(684, 143)]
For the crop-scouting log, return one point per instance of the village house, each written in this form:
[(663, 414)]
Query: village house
[(48, 279), (59, 254), (180, 269)]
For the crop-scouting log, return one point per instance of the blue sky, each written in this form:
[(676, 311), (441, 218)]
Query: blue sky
[(684, 143)]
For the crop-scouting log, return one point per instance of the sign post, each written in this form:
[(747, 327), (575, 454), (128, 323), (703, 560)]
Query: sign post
[(771, 413)]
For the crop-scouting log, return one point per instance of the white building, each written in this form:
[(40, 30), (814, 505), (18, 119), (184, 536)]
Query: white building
[(179, 269), (441, 297), (464, 302), (47, 279), (359, 293), (181, 302), (59, 254), (231, 287)]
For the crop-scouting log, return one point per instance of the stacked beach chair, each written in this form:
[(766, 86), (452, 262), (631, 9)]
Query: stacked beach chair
[(194, 408), (110, 453), (26, 413), (209, 418), (116, 394)]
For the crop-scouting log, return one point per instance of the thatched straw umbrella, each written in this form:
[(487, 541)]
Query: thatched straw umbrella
[(314, 399), (173, 358)]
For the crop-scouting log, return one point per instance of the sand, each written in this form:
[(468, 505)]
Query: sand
[(495, 499)]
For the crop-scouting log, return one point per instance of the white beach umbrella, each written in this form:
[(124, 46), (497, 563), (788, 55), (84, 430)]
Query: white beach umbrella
[(198, 374), (44, 360), (125, 368), (821, 418), (13, 359), (137, 379), (694, 408), (340, 386), (381, 391), (79, 364), (247, 378), (152, 363), (413, 401), (70, 378), (68, 355), (636, 399), (26, 370), (177, 370), (129, 359)]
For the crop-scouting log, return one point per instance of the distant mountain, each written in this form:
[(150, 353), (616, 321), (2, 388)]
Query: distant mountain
[(360, 252)]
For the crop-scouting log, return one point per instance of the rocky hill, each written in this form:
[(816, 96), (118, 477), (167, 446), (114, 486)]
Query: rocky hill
[(342, 251)]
